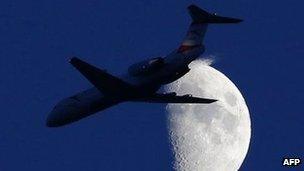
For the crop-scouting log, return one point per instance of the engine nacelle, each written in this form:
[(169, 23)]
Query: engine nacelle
[(146, 67)]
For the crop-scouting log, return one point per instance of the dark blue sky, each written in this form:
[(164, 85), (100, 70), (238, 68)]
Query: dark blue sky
[(264, 56)]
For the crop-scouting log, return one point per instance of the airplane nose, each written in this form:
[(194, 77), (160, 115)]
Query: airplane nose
[(61, 115), (54, 118)]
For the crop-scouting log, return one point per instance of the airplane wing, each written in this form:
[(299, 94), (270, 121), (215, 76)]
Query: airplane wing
[(172, 98), (103, 81), (113, 86)]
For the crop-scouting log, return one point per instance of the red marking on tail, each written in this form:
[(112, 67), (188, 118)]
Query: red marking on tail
[(184, 48)]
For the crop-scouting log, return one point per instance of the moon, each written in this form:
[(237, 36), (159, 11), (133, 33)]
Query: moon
[(208, 136)]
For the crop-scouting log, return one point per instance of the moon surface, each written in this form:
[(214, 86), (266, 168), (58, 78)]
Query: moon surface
[(208, 136)]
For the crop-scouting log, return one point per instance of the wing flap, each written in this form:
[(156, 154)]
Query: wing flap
[(172, 98)]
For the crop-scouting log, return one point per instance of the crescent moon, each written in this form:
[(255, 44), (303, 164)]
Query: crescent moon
[(213, 136)]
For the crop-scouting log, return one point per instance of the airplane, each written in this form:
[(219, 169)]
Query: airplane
[(142, 80)]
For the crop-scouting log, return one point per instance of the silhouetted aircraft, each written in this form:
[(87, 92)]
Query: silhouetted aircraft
[(142, 80)]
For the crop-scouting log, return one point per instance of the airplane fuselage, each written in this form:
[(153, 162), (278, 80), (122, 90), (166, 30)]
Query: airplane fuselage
[(142, 80), (90, 101)]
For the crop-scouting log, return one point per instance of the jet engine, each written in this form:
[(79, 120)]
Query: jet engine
[(146, 67)]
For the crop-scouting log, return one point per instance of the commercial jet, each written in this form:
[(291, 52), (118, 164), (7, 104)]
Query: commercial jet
[(142, 80)]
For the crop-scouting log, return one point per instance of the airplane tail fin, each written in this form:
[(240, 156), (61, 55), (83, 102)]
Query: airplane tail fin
[(198, 15), (197, 29)]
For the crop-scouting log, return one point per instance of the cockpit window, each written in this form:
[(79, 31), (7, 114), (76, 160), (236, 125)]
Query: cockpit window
[(156, 60), (152, 61)]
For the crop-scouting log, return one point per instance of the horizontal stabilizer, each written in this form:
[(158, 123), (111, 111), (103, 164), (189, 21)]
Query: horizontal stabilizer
[(103, 81), (198, 15), (171, 98)]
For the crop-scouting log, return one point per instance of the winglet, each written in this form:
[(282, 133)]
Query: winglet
[(198, 15)]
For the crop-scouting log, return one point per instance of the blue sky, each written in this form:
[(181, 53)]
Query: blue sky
[(263, 56)]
